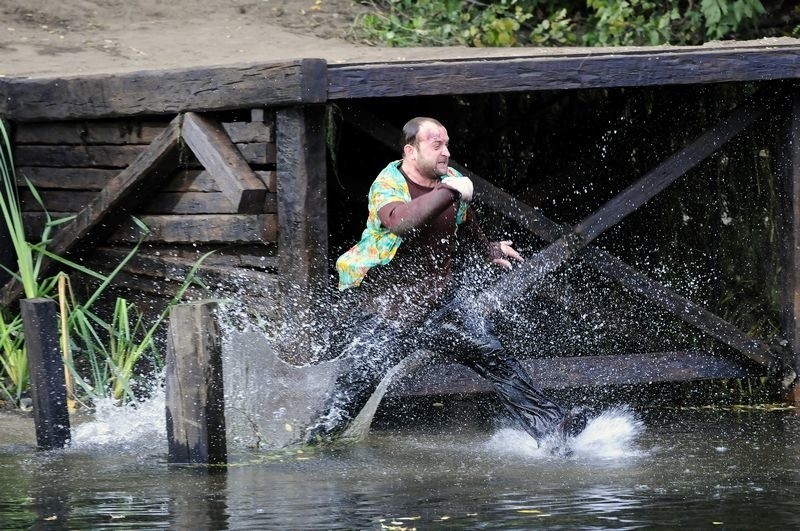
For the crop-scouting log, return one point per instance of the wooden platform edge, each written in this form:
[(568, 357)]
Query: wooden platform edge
[(154, 92), (584, 371)]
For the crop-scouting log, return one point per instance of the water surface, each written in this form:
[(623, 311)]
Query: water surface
[(704, 468)]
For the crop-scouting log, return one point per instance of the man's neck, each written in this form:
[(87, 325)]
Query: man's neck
[(410, 171)]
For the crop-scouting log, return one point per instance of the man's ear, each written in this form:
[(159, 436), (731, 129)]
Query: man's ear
[(408, 150)]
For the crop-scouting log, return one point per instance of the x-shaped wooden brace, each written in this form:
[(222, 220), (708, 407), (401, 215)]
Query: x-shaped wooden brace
[(566, 242)]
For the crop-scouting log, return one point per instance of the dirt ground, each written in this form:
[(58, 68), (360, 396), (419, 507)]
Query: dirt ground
[(64, 37)]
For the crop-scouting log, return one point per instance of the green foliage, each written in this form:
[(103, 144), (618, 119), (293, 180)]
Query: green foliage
[(557, 23)]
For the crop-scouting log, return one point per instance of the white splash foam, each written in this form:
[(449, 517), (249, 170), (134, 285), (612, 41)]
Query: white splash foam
[(138, 428), (610, 435)]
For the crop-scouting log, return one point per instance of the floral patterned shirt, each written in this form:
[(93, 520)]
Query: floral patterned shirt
[(378, 245)]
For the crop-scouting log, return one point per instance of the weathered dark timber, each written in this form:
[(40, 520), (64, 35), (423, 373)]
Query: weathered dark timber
[(536, 222), (302, 217), (790, 229), (215, 151), (195, 404), (117, 132), (555, 254), (48, 388), (65, 178), (178, 263), (586, 70), (164, 91), (122, 132), (302, 205), (585, 371), (116, 156), (115, 201), (58, 200), (203, 228)]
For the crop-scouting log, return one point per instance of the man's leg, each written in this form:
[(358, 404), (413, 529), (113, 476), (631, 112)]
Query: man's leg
[(374, 348), (470, 340)]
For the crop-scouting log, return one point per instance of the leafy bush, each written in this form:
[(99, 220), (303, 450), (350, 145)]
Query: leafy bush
[(557, 23)]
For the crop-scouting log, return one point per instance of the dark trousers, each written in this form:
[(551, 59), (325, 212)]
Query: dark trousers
[(453, 334)]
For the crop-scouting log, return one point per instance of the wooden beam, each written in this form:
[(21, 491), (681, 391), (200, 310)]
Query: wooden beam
[(582, 70), (582, 371), (115, 201), (302, 197), (195, 403), (164, 91), (48, 388), (536, 222), (637, 194), (302, 222), (215, 151), (123, 132), (202, 228), (790, 229)]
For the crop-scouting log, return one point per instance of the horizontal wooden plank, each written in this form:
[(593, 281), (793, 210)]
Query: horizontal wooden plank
[(108, 156), (214, 228), (65, 178), (197, 203), (559, 373), (256, 256), (164, 91), (201, 181), (88, 132), (120, 132), (579, 71)]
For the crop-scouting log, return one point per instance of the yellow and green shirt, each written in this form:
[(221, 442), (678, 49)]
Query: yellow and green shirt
[(378, 245)]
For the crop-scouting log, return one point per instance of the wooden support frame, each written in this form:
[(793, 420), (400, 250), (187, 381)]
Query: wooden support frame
[(48, 387), (216, 152), (790, 228), (114, 202), (570, 70), (302, 211), (164, 92), (195, 403), (536, 222), (582, 371)]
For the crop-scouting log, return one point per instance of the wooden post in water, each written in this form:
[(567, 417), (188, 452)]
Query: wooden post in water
[(194, 389), (302, 224), (48, 390), (790, 225)]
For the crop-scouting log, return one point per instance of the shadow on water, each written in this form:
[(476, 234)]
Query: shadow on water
[(657, 467)]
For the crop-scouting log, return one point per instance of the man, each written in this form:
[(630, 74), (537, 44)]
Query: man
[(399, 279)]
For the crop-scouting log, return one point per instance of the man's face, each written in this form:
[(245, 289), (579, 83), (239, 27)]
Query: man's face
[(432, 155)]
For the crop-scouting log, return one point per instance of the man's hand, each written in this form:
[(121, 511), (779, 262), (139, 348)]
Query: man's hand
[(509, 252), (462, 185)]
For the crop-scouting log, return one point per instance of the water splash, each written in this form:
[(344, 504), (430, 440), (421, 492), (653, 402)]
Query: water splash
[(610, 435), (138, 428)]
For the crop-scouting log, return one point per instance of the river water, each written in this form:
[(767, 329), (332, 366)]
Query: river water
[(726, 468)]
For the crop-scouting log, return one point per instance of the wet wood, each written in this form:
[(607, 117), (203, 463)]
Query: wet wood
[(637, 194), (583, 371), (536, 222), (195, 404), (65, 178), (302, 220), (215, 151), (790, 230), (117, 200), (580, 70), (161, 92), (302, 197), (125, 132), (48, 387), (202, 228)]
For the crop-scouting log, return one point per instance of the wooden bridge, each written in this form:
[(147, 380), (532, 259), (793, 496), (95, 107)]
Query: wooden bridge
[(237, 155)]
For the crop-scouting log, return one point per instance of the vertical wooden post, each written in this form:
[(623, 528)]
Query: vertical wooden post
[(48, 391), (194, 389), (790, 225), (302, 220)]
